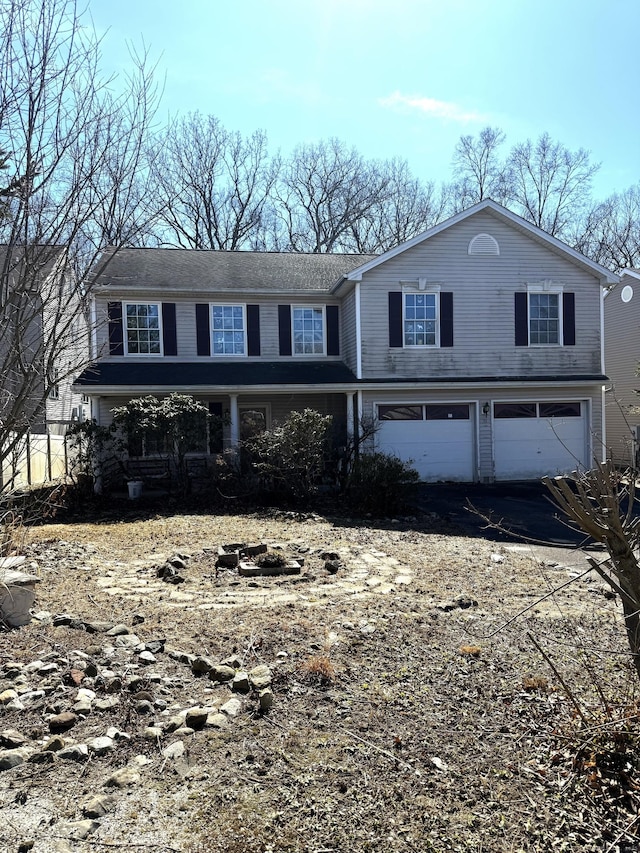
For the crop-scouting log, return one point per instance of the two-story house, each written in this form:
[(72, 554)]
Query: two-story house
[(476, 347)]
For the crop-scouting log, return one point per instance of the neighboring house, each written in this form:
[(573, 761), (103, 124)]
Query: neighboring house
[(44, 340), (476, 347), (622, 358)]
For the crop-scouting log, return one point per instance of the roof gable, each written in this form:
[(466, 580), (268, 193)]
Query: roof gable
[(501, 213)]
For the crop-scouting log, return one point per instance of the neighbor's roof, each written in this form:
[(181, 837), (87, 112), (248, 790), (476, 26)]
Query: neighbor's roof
[(187, 270)]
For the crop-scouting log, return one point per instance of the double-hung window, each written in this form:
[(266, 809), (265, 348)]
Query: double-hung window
[(143, 332), (308, 331), (421, 319), (229, 330), (544, 318)]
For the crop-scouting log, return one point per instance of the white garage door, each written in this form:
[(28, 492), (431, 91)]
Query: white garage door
[(532, 440), (437, 440)]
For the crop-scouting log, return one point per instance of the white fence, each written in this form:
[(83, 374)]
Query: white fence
[(38, 459)]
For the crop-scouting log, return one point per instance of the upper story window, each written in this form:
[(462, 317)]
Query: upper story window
[(544, 318), (308, 331), (143, 334), (421, 319), (229, 330)]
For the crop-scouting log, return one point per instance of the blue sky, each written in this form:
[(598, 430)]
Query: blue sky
[(398, 78)]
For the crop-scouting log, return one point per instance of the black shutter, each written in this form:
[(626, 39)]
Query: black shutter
[(253, 330), (395, 318), (569, 319), (284, 329), (333, 330), (203, 330), (116, 335), (446, 319), (169, 336), (522, 319), (215, 428)]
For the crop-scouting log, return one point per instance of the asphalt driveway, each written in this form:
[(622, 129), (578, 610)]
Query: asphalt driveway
[(522, 509)]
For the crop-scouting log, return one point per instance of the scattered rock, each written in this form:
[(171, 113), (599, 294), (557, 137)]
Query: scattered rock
[(174, 750), (12, 738), (10, 758), (260, 677), (265, 697), (221, 673), (196, 717), (98, 805), (78, 830), (62, 722), (100, 745), (74, 752), (231, 708), (123, 777)]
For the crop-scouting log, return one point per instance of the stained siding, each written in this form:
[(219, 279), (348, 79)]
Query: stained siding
[(622, 356), (483, 288), (348, 330)]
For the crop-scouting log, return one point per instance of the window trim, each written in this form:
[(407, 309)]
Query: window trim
[(315, 307), (245, 343), (427, 290), (125, 330), (550, 288)]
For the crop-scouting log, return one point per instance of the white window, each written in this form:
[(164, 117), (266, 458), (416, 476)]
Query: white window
[(54, 387), (229, 330), (420, 319), (308, 331), (142, 329), (545, 314)]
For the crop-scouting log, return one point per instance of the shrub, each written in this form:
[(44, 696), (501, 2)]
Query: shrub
[(290, 458), (380, 484)]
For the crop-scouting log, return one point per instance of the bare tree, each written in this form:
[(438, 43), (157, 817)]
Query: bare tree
[(323, 190), (406, 208), (479, 172), (74, 143), (212, 184), (610, 233), (551, 185)]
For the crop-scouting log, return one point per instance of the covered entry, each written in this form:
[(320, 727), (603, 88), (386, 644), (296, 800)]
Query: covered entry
[(437, 439)]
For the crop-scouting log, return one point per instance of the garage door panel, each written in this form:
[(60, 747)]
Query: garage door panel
[(528, 448), (438, 450)]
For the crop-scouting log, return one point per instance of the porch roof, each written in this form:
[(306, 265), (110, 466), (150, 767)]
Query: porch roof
[(133, 376)]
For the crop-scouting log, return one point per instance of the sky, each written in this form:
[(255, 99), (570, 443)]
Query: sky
[(397, 78)]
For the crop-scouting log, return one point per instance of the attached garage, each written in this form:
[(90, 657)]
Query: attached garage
[(535, 439), (438, 440)]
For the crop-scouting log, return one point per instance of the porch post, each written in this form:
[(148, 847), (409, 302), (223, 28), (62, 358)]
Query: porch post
[(234, 418), (350, 424)]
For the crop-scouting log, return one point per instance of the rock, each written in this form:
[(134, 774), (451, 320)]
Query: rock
[(12, 738), (196, 717), (152, 733), (8, 696), (146, 658), (62, 722), (240, 683), (201, 665), (174, 750), (184, 731), (119, 630), (173, 723), (143, 706), (217, 720), (15, 603), (48, 668), (126, 641), (74, 752), (231, 708), (333, 566), (98, 627), (123, 778), (177, 562), (62, 620), (98, 805), (142, 696), (78, 830), (10, 758), (54, 744), (221, 673), (265, 697), (100, 745), (82, 706), (75, 676), (233, 661), (155, 646), (106, 704), (260, 676), (113, 685)]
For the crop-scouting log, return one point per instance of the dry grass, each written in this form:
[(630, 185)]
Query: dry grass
[(396, 726)]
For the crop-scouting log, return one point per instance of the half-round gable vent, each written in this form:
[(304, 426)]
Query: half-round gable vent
[(484, 244)]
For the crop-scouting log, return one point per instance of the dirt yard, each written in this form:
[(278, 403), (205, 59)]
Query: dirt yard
[(409, 690)]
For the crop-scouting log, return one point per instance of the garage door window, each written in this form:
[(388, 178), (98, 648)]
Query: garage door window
[(444, 413), (534, 410), (400, 413)]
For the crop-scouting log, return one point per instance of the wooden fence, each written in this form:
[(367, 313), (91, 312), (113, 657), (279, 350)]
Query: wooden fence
[(38, 459)]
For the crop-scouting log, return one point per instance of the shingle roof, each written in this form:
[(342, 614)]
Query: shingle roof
[(176, 375), (197, 270)]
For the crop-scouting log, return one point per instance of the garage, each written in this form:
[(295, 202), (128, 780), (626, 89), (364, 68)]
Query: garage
[(438, 440), (537, 439)]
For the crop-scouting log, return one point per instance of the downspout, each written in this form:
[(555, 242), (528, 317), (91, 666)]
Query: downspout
[(603, 425), (358, 333)]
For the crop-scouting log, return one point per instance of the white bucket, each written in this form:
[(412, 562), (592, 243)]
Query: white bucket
[(135, 489)]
